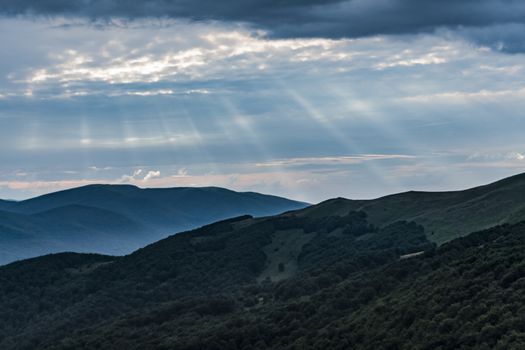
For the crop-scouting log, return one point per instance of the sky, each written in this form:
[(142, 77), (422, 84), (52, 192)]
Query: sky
[(305, 99)]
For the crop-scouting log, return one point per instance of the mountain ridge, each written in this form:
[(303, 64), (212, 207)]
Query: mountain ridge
[(118, 219), (445, 215)]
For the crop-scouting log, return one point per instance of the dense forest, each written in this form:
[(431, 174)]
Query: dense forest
[(286, 282)]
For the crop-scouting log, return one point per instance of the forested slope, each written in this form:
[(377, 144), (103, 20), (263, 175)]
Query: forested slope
[(349, 287)]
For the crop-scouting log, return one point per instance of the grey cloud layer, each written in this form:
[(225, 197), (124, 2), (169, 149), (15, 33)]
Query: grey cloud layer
[(215, 104), (225, 107), (314, 18)]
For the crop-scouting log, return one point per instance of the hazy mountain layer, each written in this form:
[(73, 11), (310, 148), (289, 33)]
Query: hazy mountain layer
[(118, 219)]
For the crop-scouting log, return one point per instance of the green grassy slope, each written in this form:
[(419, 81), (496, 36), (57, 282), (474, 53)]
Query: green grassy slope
[(445, 215)]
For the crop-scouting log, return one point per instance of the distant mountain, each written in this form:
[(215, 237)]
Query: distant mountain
[(7, 204), (117, 219), (444, 215)]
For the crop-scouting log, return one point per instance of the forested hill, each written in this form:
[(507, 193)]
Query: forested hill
[(324, 277), (444, 215), (285, 282), (118, 219)]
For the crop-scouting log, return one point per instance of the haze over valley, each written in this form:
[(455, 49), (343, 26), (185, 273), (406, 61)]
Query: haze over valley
[(118, 219)]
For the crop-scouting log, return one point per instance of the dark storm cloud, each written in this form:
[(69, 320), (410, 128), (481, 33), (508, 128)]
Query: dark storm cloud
[(306, 18), (505, 37)]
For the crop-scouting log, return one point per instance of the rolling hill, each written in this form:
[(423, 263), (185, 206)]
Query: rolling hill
[(292, 281), (398, 272), (444, 215), (118, 219), (199, 276)]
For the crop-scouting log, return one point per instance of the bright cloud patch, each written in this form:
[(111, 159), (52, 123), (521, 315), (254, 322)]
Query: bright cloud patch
[(149, 53)]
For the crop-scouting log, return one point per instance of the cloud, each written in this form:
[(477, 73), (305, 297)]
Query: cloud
[(506, 37), (165, 92), (182, 172), (96, 168), (463, 97), (211, 54), (203, 61), (138, 176), (491, 157), (151, 175), (516, 156), (331, 160), (46, 186), (311, 18), (131, 178), (130, 96)]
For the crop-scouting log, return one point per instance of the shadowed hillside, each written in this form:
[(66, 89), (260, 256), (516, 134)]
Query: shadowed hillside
[(207, 273), (283, 282), (117, 219)]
